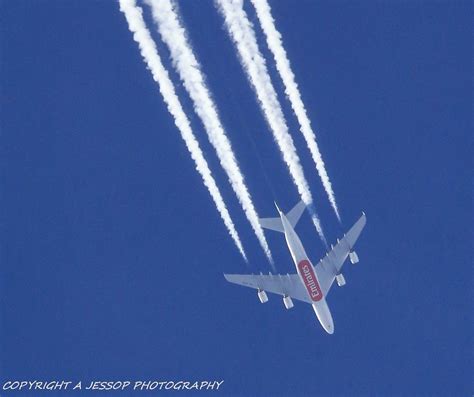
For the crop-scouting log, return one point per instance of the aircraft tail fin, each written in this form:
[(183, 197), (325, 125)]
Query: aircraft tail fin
[(293, 217)]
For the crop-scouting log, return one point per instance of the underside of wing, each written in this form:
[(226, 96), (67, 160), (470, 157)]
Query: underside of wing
[(331, 264), (285, 285)]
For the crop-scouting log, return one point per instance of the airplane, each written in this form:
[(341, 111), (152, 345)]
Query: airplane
[(310, 284)]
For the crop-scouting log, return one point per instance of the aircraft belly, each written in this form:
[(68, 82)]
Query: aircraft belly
[(308, 277), (296, 248), (310, 280)]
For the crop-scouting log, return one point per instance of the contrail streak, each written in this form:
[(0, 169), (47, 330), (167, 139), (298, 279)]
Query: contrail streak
[(274, 42), (150, 55), (243, 36), (184, 61)]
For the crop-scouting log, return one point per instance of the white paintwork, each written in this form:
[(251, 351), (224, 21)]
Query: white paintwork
[(262, 295), (288, 302), (327, 270), (298, 254), (353, 257), (341, 281)]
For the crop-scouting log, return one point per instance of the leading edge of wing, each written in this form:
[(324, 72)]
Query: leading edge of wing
[(329, 266), (280, 284)]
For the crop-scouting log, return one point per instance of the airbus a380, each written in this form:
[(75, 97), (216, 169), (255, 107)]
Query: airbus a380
[(310, 284)]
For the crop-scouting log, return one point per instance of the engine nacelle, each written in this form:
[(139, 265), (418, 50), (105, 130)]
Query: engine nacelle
[(288, 302), (262, 295), (341, 281), (353, 257)]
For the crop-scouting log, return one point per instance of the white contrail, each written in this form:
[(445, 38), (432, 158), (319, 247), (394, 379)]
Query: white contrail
[(174, 35), (243, 36), (149, 52), (274, 42)]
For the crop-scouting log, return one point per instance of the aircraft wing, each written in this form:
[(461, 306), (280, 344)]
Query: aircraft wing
[(331, 264), (281, 284)]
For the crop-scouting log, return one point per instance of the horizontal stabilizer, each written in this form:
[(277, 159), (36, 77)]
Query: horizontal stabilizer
[(293, 217), (295, 214), (272, 224)]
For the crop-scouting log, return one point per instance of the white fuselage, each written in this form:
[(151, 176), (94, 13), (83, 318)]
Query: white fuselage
[(307, 276)]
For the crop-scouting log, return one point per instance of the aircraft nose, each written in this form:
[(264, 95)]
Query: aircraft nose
[(329, 325), (324, 316), (329, 328)]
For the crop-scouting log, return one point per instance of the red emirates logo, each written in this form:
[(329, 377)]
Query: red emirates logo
[(310, 280)]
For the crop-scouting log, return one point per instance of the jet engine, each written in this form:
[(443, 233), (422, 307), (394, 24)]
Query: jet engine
[(353, 257), (341, 281), (288, 302), (262, 295)]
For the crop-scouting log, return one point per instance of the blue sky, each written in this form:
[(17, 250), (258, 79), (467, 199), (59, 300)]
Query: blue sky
[(113, 253)]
